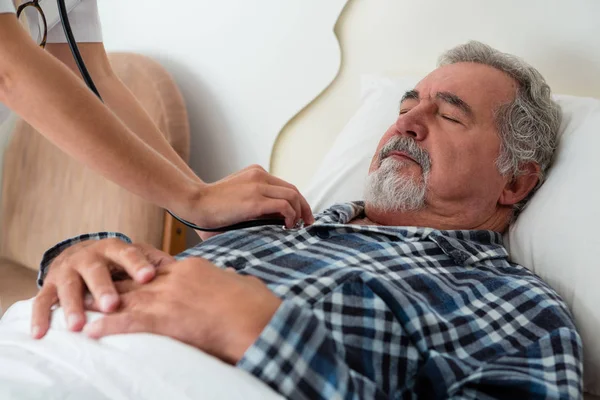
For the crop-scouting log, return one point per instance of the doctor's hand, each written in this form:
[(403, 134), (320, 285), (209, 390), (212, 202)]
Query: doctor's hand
[(248, 194), (92, 265), (194, 302)]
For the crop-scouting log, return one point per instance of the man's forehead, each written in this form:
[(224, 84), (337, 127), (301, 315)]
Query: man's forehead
[(478, 84)]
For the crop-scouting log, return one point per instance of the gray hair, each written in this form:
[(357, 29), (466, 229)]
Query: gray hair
[(528, 126)]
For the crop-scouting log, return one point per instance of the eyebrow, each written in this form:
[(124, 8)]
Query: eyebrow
[(410, 95), (455, 101), (446, 97)]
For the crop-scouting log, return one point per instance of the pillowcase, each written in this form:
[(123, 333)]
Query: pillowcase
[(342, 173), (554, 236)]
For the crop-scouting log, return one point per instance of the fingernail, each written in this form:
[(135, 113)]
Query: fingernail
[(35, 332), (107, 301), (88, 300), (145, 273), (73, 321), (90, 330)]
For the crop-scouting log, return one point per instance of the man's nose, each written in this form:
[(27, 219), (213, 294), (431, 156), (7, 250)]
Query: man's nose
[(412, 124)]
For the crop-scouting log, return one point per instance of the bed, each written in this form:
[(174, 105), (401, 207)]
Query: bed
[(384, 46)]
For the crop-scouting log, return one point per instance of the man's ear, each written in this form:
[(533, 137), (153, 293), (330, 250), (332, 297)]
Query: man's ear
[(519, 187)]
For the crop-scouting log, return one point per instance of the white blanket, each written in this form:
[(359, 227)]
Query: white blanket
[(66, 365)]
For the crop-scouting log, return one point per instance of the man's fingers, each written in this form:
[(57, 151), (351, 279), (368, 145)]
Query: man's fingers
[(99, 282), (121, 287), (70, 296), (132, 259), (126, 286), (156, 257), (42, 309), (114, 324), (90, 303)]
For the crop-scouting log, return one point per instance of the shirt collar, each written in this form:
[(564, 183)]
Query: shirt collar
[(465, 247)]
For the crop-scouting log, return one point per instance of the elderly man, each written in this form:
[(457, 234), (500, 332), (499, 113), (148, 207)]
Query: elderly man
[(407, 294)]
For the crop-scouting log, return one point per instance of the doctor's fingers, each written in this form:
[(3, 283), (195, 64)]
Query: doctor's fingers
[(293, 198), (257, 173), (255, 169), (306, 213), (268, 205), (42, 310)]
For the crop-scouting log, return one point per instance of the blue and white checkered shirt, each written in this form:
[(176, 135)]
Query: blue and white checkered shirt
[(380, 312)]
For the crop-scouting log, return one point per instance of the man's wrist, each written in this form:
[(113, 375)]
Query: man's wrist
[(241, 338), (50, 254), (233, 351)]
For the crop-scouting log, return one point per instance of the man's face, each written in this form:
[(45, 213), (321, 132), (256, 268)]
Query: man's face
[(450, 116)]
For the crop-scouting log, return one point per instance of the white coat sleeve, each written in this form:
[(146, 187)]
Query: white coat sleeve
[(7, 6), (85, 23)]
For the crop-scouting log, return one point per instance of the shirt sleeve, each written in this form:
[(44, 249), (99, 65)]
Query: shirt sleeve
[(55, 251), (549, 368), (85, 24), (296, 355), (7, 6)]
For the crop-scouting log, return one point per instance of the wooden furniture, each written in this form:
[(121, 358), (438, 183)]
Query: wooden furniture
[(48, 196)]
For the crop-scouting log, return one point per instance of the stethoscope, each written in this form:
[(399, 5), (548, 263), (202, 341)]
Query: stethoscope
[(90, 83)]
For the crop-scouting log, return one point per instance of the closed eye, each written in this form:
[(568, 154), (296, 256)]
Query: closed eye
[(451, 119)]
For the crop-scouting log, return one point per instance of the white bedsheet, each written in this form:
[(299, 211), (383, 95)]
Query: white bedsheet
[(66, 365)]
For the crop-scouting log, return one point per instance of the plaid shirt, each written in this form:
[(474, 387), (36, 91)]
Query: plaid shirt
[(381, 312)]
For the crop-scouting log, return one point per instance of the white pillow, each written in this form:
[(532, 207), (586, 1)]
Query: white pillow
[(555, 236)]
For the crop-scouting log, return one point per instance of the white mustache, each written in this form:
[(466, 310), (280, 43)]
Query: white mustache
[(406, 145)]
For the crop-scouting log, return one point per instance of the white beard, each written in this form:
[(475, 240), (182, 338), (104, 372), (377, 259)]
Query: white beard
[(387, 190)]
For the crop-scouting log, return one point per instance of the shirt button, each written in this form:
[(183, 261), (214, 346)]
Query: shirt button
[(323, 234)]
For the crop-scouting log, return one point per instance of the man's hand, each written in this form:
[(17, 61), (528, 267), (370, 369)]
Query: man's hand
[(195, 302), (92, 264)]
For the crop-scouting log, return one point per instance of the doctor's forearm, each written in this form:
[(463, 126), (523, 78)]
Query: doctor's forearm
[(122, 102), (119, 98), (48, 96)]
